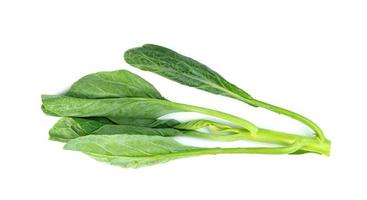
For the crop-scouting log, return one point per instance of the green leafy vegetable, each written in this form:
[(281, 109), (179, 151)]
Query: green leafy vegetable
[(115, 116)]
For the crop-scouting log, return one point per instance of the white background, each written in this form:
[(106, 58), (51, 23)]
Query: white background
[(308, 56)]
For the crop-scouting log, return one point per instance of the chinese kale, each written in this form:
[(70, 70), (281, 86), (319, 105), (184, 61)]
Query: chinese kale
[(116, 116)]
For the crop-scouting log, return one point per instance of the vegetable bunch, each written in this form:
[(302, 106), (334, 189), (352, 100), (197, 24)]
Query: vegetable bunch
[(115, 116)]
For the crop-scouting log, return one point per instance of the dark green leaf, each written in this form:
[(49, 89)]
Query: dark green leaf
[(182, 69), (113, 84)]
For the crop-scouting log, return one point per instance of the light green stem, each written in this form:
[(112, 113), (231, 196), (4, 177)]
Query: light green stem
[(250, 150), (213, 136), (255, 150), (311, 144), (291, 114), (231, 118)]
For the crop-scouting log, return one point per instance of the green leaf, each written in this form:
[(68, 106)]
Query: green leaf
[(182, 69), (65, 106), (130, 150), (115, 84), (68, 128), (120, 83)]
